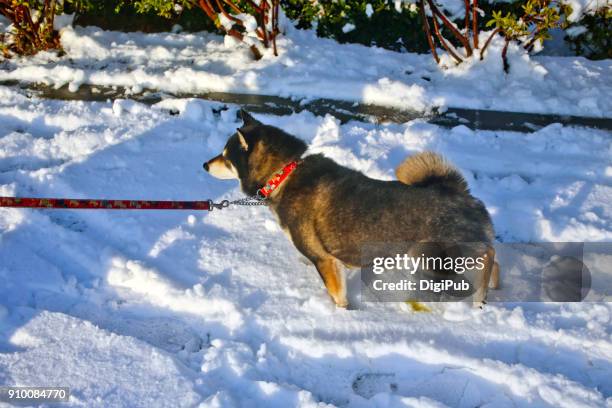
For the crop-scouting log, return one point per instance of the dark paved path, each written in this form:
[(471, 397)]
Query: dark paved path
[(343, 110)]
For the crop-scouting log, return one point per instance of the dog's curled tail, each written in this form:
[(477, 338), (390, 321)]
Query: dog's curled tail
[(427, 169)]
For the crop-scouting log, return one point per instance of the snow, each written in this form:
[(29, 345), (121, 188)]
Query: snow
[(310, 67), (369, 10), (225, 22), (348, 27), (102, 368), (219, 309), (581, 8)]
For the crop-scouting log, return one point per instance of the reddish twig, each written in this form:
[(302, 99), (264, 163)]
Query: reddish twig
[(475, 23), (212, 8), (484, 48), (443, 41), (447, 23), (208, 9), (228, 15), (262, 22), (275, 11), (427, 30), (504, 57)]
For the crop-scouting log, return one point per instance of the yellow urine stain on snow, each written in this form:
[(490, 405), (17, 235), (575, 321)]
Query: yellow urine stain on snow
[(418, 306)]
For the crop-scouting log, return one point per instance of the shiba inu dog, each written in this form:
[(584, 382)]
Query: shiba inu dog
[(330, 211)]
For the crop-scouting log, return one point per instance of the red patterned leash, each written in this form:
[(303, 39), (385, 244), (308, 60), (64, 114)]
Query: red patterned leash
[(88, 204)]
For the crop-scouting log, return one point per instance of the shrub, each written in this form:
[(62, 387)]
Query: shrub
[(31, 25), (110, 15), (399, 25), (253, 22), (591, 35), (538, 17), (389, 24)]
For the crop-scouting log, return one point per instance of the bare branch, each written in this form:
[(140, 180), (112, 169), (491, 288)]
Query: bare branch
[(484, 48), (475, 23), (444, 43), (432, 46), (447, 23)]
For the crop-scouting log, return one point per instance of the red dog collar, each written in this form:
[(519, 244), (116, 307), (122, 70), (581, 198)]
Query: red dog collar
[(277, 179)]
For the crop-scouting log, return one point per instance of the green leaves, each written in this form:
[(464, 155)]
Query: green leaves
[(163, 8), (393, 25), (539, 16), (593, 39), (510, 25)]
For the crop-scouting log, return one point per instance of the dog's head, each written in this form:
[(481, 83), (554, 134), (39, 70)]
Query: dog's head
[(254, 153)]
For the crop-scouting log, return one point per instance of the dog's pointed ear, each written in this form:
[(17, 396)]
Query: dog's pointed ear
[(242, 139), (247, 119)]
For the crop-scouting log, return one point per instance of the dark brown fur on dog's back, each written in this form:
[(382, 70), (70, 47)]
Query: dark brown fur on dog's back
[(346, 209)]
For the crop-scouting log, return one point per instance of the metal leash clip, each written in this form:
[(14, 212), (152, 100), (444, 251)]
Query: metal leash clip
[(223, 204), (251, 200)]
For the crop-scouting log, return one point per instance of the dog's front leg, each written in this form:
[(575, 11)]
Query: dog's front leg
[(334, 279)]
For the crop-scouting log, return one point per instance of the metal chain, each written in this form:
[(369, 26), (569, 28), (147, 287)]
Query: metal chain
[(249, 201)]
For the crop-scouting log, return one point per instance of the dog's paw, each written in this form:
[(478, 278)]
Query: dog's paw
[(479, 305), (343, 303)]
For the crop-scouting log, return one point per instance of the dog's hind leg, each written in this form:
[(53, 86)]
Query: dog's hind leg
[(334, 279), (494, 280), (489, 273)]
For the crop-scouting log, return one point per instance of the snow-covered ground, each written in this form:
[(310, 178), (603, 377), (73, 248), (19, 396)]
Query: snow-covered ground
[(179, 309), (311, 67)]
